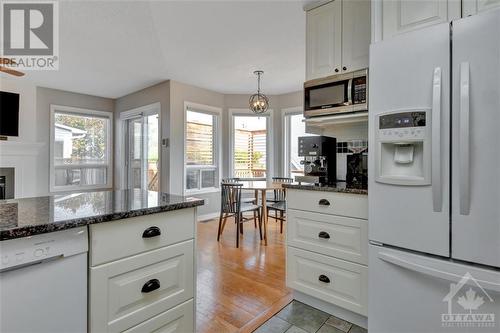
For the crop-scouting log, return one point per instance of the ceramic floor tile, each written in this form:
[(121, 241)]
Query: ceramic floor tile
[(338, 323), (295, 329), (329, 329), (357, 329), (274, 325), (303, 316)]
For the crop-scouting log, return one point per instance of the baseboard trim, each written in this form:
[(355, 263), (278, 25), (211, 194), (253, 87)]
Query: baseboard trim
[(209, 216), (332, 309)]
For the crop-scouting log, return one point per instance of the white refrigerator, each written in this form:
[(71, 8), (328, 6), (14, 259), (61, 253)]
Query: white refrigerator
[(434, 179)]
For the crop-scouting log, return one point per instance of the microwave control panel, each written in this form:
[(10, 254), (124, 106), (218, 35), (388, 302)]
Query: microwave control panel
[(359, 87)]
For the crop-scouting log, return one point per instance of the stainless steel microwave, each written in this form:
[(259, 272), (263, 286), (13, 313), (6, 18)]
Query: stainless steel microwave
[(334, 94)]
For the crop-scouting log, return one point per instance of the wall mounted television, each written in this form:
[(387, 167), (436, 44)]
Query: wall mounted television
[(9, 114)]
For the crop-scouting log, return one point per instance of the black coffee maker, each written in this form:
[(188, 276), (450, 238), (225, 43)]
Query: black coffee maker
[(320, 159)]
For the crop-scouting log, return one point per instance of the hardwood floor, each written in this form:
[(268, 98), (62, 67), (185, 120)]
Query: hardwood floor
[(239, 289)]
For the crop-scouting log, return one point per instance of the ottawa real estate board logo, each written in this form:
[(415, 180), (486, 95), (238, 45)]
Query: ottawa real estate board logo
[(468, 305), (29, 35)]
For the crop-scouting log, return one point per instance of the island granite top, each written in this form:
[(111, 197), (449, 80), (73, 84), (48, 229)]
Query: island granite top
[(339, 187), (38, 215)]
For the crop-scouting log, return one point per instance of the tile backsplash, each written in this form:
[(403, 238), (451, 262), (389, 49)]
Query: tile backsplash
[(345, 148)]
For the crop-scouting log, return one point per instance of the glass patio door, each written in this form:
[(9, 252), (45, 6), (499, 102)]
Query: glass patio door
[(142, 152)]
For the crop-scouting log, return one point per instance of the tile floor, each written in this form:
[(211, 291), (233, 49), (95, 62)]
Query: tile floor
[(298, 317)]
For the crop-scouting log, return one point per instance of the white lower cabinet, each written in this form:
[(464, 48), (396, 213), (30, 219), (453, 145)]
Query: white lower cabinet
[(177, 320), (332, 280), (327, 248), (143, 291)]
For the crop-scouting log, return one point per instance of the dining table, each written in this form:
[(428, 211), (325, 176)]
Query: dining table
[(262, 187)]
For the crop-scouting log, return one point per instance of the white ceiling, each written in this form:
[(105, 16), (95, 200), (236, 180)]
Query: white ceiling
[(112, 48)]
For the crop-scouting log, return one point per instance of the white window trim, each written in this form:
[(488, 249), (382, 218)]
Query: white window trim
[(121, 130), (109, 165), (269, 138), (214, 111), (292, 111)]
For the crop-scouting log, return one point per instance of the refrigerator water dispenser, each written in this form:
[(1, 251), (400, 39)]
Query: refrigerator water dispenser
[(403, 148)]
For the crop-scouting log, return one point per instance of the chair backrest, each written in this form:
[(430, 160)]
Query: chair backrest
[(230, 180), (230, 197), (282, 180), (280, 194)]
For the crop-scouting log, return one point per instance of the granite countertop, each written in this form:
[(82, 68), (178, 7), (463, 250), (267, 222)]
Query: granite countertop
[(339, 187), (38, 215)]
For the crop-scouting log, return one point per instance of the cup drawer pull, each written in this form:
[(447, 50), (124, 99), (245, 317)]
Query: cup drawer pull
[(151, 232), (324, 202), (150, 286), (324, 235), (324, 278)]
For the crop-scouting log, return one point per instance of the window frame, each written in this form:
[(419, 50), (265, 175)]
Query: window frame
[(74, 111), (269, 140), (217, 113), (287, 140)]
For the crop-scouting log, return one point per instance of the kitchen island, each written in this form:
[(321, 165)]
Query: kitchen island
[(140, 264)]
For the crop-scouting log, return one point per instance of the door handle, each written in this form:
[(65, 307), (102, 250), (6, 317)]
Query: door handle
[(151, 232), (324, 235), (463, 153), (324, 202), (150, 286), (324, 278), (437, 191), (416, 267)]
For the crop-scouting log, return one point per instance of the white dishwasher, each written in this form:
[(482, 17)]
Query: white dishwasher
[(43, 283)]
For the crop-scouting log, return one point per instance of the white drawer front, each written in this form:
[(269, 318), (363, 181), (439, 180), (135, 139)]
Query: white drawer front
[(119, 298), (344, 204), (177, 320), (114, 240), (348, 282), (341, 237)]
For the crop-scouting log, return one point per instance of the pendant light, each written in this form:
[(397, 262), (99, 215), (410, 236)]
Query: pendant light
[(259, 103)]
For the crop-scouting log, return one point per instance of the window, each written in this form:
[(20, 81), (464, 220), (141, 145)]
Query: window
[(250, 146), (294, 128), (201, 153), (80, 149)]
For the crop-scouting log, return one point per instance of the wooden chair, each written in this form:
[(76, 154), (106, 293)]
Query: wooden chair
[(231, 205), (278, 202), (243, 200)]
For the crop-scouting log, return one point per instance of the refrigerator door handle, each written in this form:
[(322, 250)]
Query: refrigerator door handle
[(437, 191), (430, 271), (463, 172)]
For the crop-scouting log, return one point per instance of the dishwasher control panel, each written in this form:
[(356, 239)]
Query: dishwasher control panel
[(50, 246)]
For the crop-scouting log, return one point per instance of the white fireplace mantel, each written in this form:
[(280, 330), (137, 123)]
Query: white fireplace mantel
[(24, 158)]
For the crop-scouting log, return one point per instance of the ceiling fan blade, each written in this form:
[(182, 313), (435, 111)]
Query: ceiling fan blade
[(11, 71)]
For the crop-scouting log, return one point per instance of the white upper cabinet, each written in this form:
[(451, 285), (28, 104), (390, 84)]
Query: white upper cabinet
[(324, 40), (337, 38), (355, 34), (471, 7), (392, 17)]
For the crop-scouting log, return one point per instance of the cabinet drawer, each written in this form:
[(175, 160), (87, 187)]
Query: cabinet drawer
[(341, 237), (177, 320), (344, 204), (129, 291), (344, 283), (124, 238)]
